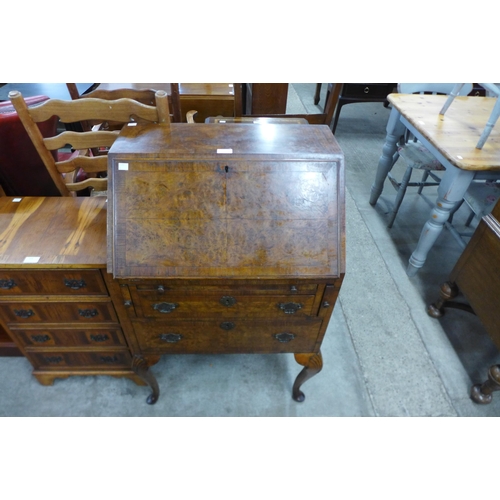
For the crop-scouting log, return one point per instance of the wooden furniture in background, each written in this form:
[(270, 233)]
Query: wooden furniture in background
[(207, 99), (324, 118), (243, 250), (143, 95), (55, 300), (81, 110), (477, 276), (356, 92), (265, 98), (452, 141)]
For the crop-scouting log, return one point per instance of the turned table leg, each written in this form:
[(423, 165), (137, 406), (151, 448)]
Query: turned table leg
[(482, 393), (141, 368), (312, 363)]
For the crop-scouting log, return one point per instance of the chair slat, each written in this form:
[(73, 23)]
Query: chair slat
[(93, 109), (88, 163), (82, 140)]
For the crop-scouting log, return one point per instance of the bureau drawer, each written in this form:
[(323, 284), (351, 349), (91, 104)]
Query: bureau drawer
[(163, 289), (64, 360), (228, 336), (151, 305), (65, 337), (57, 312), (57, 282)]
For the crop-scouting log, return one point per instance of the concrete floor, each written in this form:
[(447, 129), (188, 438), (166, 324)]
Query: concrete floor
[(383, 356)]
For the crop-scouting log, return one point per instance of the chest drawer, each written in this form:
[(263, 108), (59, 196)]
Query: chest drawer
[(53, 282), (232, 336), (57, 312), (63, 337), (102, 360), (151, 305)]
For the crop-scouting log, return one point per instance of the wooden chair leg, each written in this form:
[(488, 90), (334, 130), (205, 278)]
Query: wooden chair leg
[(317, 93)]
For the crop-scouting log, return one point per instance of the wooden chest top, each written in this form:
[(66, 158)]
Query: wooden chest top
[(239, 201), (52, 232)]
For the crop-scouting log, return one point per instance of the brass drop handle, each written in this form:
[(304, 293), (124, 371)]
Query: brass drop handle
[(40, 338), (7, 284), (326, 303), (75, 284), (24, 313), (88, 313), (99, 338), (53, 359), (171, 338), (284, 337), (165, 307), (290, 307), (109, 359), (161, 289)]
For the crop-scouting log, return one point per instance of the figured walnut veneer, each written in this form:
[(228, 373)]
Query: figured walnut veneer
[(227, 239)]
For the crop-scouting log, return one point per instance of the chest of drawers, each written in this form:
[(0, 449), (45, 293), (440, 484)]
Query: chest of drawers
[(54, 300), (226, 239)]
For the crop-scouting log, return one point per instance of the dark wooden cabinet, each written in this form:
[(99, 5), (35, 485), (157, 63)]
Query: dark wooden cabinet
[(227, 239), (266, 98), (477, 276)]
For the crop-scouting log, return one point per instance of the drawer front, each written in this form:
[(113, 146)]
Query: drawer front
[(366, 90), (55, 282), (58, 312), (232, 335), (64, 337), (192, 306), (63, 360), (163, 289)]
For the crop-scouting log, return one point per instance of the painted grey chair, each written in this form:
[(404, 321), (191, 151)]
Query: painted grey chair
[(492, 89), (415, 154)]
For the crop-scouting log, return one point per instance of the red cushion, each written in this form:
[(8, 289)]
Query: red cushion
[(22, 172)]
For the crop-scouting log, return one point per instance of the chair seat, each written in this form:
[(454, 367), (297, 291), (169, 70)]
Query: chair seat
[(482, 196), (418, 156)]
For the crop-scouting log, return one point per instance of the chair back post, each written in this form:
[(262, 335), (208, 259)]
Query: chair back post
[(36, 137), (238, 99), (176, 102), (161, 98), (331, 103)]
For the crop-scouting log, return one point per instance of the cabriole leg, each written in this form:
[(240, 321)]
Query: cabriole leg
[(141, 368), (313, 363)]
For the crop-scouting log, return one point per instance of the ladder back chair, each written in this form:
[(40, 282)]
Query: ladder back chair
[(64, 173), (491, 88), (415, 155), (142, 95)]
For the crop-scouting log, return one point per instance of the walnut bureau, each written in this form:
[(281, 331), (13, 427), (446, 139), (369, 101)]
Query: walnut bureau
[(54, 290), (226, 239)]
